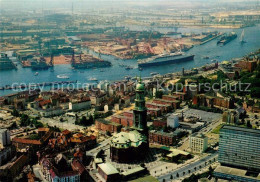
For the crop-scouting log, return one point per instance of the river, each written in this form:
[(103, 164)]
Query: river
[(231, 50)]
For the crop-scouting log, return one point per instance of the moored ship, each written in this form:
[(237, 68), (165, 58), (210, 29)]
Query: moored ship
[(6, 63), (88, 61), (227, 38), (165, 59), (39, 63)]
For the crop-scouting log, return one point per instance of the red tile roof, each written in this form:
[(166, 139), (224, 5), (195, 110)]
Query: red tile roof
[(77, 166)]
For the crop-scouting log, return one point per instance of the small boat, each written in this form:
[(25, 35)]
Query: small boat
[(93, 79), (141, 69), (63, 76), (127, 77), (101, 70), (154, 73), (205, 57), (128, 68), (213, 60), (36, 74)]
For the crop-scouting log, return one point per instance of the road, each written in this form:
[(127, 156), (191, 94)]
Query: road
[(101, 145), (63, 125), (189, 168)]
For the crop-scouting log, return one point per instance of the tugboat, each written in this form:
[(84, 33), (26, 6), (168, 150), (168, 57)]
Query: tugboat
[(128, 68), (154, 73), (127, 77), (63, 76), (93, 79)]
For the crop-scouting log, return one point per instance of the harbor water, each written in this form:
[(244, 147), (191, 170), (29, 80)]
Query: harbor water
[(116, 72)]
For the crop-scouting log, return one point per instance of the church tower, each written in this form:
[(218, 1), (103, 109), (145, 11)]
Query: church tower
[(140, 111)]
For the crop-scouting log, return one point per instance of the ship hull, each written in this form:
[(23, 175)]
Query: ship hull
[(102, 64), (171, 61), (227, 40)]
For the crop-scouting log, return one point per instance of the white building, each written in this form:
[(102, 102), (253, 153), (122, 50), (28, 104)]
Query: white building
[(77, 106), (5, 137), (198, 143), (173, 121), (51, 112)]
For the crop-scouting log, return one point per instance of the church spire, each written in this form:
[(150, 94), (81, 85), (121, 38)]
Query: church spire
[(140, 110)]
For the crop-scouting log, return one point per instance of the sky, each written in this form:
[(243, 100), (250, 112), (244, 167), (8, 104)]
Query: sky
[(34, 4)]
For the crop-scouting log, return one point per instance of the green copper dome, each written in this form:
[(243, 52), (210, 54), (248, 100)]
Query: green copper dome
[(140, 86), (128, 139)]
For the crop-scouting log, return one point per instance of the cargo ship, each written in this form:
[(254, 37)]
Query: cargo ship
[(6, 63), (88, 61), (39, 63), (165, 59), (227, 38)]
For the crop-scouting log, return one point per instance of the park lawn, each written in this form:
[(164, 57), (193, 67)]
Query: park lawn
[(216, 130), (145, 179)]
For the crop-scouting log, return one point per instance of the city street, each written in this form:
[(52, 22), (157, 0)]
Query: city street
[(189, 168)]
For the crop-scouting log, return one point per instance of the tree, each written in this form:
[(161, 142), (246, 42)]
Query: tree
[(15, 113), (108, 133), (84, 121), (14, 125), (248, 124), (236, 75), (158, 94), (25, 120), (211, 170), (165, 129), (91, 120)]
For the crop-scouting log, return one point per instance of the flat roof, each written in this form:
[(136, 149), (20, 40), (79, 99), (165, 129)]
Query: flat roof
[(132, 171), (236, 128), (175, 152), (108, 168), (234, 171)]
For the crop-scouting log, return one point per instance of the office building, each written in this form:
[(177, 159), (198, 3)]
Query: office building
[(239, 148), (198, 142), (5, 137)]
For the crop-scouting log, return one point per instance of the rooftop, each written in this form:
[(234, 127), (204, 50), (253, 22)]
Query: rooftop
[(175, 152), (108, 168), (132, 171), (234, 171), (236, 128)]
